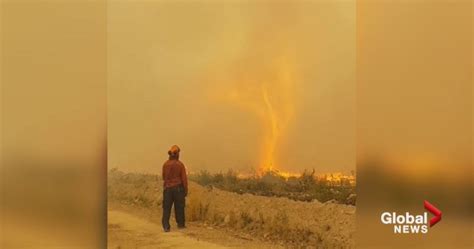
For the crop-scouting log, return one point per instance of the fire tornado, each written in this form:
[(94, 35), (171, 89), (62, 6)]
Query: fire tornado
[(278, 106), (267, 91), (268, 160)]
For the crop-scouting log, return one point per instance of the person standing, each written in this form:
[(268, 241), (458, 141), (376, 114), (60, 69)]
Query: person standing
[(175, 189)]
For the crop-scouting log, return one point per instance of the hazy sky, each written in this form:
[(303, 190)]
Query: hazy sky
[(235, 85)]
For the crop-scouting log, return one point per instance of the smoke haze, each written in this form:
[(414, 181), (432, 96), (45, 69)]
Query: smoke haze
[(236, 85)]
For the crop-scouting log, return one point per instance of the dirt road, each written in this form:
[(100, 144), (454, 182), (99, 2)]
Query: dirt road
[(128, 231), (125, 230)]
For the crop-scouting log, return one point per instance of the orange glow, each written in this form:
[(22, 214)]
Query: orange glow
[(287, 175), (334, 178)]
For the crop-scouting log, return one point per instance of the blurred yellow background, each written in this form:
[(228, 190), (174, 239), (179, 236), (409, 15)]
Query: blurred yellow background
[(414, 119), (53, 96)]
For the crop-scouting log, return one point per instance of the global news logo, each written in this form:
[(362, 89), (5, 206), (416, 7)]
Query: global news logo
[(408, 223)]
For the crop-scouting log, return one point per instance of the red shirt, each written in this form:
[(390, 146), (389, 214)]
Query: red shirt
[(174, 174)]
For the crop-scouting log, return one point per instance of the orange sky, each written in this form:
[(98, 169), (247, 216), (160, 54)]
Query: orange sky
[(236, 85)]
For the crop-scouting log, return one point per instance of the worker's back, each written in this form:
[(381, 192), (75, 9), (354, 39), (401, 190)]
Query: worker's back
[(173, 171)]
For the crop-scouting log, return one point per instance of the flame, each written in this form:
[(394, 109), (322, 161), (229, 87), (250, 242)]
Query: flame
[(287, 175), (333, 178), (268, 158)]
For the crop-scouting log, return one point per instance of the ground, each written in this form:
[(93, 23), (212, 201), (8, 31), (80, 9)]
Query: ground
[(129, 230), (224, 218)]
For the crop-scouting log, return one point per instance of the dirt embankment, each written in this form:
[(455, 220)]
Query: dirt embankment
[(296, 223), (293, 224)]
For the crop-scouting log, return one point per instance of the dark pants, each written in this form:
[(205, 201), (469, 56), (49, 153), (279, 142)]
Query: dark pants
[(174, 195)]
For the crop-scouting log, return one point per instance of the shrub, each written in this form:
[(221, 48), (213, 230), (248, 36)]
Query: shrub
[(303, 188)]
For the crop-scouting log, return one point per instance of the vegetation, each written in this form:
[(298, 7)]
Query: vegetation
[(306, 187)]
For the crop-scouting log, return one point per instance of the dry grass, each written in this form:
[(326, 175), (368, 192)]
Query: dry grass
[(294, 224)]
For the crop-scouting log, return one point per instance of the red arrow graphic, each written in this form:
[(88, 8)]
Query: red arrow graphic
[(435, 211)]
